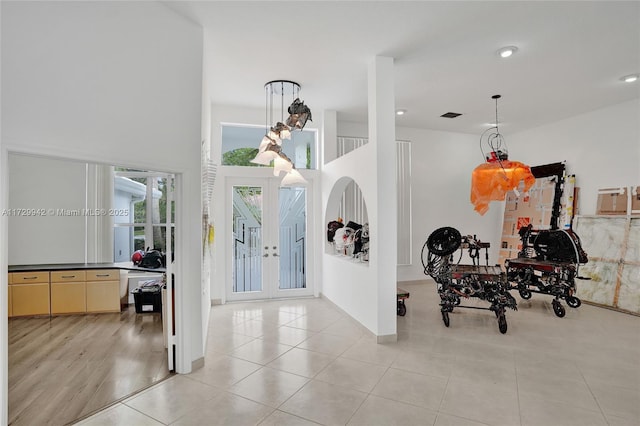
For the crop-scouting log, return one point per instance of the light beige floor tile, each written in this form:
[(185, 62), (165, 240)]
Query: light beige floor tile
[(419, 341), (475, 402), (540, 363), (224, 371), (288, 335), (416, 389), (300, 306), (535, 412), (269, 386), (376, 411), (260, 351), (312, 323), (280, 418), (226, 409), (346, 327), (223, 323), (431, 364), (254, 327), (226, 343), (327, 344), (617, 401), (324, 403), (277, 317), (619, 421), (327, 312), (605, 370), (368, 350), (173, 398), (302, 362), (448, 420), (296, 306), (561, 390), (501, 375), (248, 310), (119, 414), (352, 374)]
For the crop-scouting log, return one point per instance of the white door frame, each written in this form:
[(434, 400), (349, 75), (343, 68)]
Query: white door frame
[(270, 185)]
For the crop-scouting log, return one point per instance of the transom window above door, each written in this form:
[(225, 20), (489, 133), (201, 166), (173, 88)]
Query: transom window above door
[(240, 145)]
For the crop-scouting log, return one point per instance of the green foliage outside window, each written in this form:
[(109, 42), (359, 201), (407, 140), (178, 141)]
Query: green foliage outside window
[(240, 157)]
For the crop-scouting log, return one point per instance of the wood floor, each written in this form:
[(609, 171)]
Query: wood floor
[(65, 367)]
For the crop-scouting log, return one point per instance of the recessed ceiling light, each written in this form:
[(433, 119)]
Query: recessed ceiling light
[(401, 112), (629, 78), (507, 51)]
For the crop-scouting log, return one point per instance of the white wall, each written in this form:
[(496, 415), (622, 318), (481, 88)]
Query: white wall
[(602, 148), (44, 187), (350, 285), (441, 167), (116, 83)]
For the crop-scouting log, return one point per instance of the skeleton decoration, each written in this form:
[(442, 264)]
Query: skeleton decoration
[(456, 281)]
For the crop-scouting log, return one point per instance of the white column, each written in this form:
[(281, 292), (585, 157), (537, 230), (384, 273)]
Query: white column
[(383, 221)]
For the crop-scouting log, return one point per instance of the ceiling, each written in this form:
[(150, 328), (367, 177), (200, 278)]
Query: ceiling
[(570, 59)]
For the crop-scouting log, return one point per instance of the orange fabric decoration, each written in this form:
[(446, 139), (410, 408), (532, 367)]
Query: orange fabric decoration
[(490, 182)]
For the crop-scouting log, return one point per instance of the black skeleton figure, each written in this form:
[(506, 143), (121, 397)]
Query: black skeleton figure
[(456, 281), (548, 264)]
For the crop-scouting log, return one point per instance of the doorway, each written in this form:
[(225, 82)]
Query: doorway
[(269, 239), (111, 355)]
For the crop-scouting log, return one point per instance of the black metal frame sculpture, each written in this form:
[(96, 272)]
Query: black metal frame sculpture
[(456, 281), (547, 264)]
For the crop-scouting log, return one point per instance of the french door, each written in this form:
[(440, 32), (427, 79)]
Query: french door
[(269, 239)]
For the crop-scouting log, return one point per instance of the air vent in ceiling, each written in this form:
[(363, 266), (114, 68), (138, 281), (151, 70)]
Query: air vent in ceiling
[(451, 115)]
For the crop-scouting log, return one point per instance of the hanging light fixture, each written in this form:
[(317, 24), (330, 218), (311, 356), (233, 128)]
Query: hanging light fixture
[(491, 180), (270, 148)]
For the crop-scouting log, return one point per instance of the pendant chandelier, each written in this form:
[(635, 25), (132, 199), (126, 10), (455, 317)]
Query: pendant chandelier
[(492, 179), (270, 149)]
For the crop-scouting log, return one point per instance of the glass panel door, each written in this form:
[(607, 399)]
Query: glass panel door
[(247, 238), (269, 245), (293, 231)]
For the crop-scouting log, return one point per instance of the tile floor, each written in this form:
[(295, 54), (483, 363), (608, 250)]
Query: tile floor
[(304, 362)]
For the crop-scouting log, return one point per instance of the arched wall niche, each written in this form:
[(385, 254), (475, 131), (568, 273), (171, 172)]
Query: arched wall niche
[(347, 203)]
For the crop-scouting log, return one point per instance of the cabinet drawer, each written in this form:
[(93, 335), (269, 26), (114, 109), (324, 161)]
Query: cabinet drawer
[(103, 296), (68, 298), (30, 277), (30, 299), (10, 278), (103, 274), (67, 276)]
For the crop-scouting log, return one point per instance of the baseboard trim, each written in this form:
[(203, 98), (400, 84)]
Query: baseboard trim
[(215, 302), (387, 338), (197, 364)]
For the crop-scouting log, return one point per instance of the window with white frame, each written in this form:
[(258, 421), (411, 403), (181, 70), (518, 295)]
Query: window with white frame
[(240, 145), (140, 212)]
